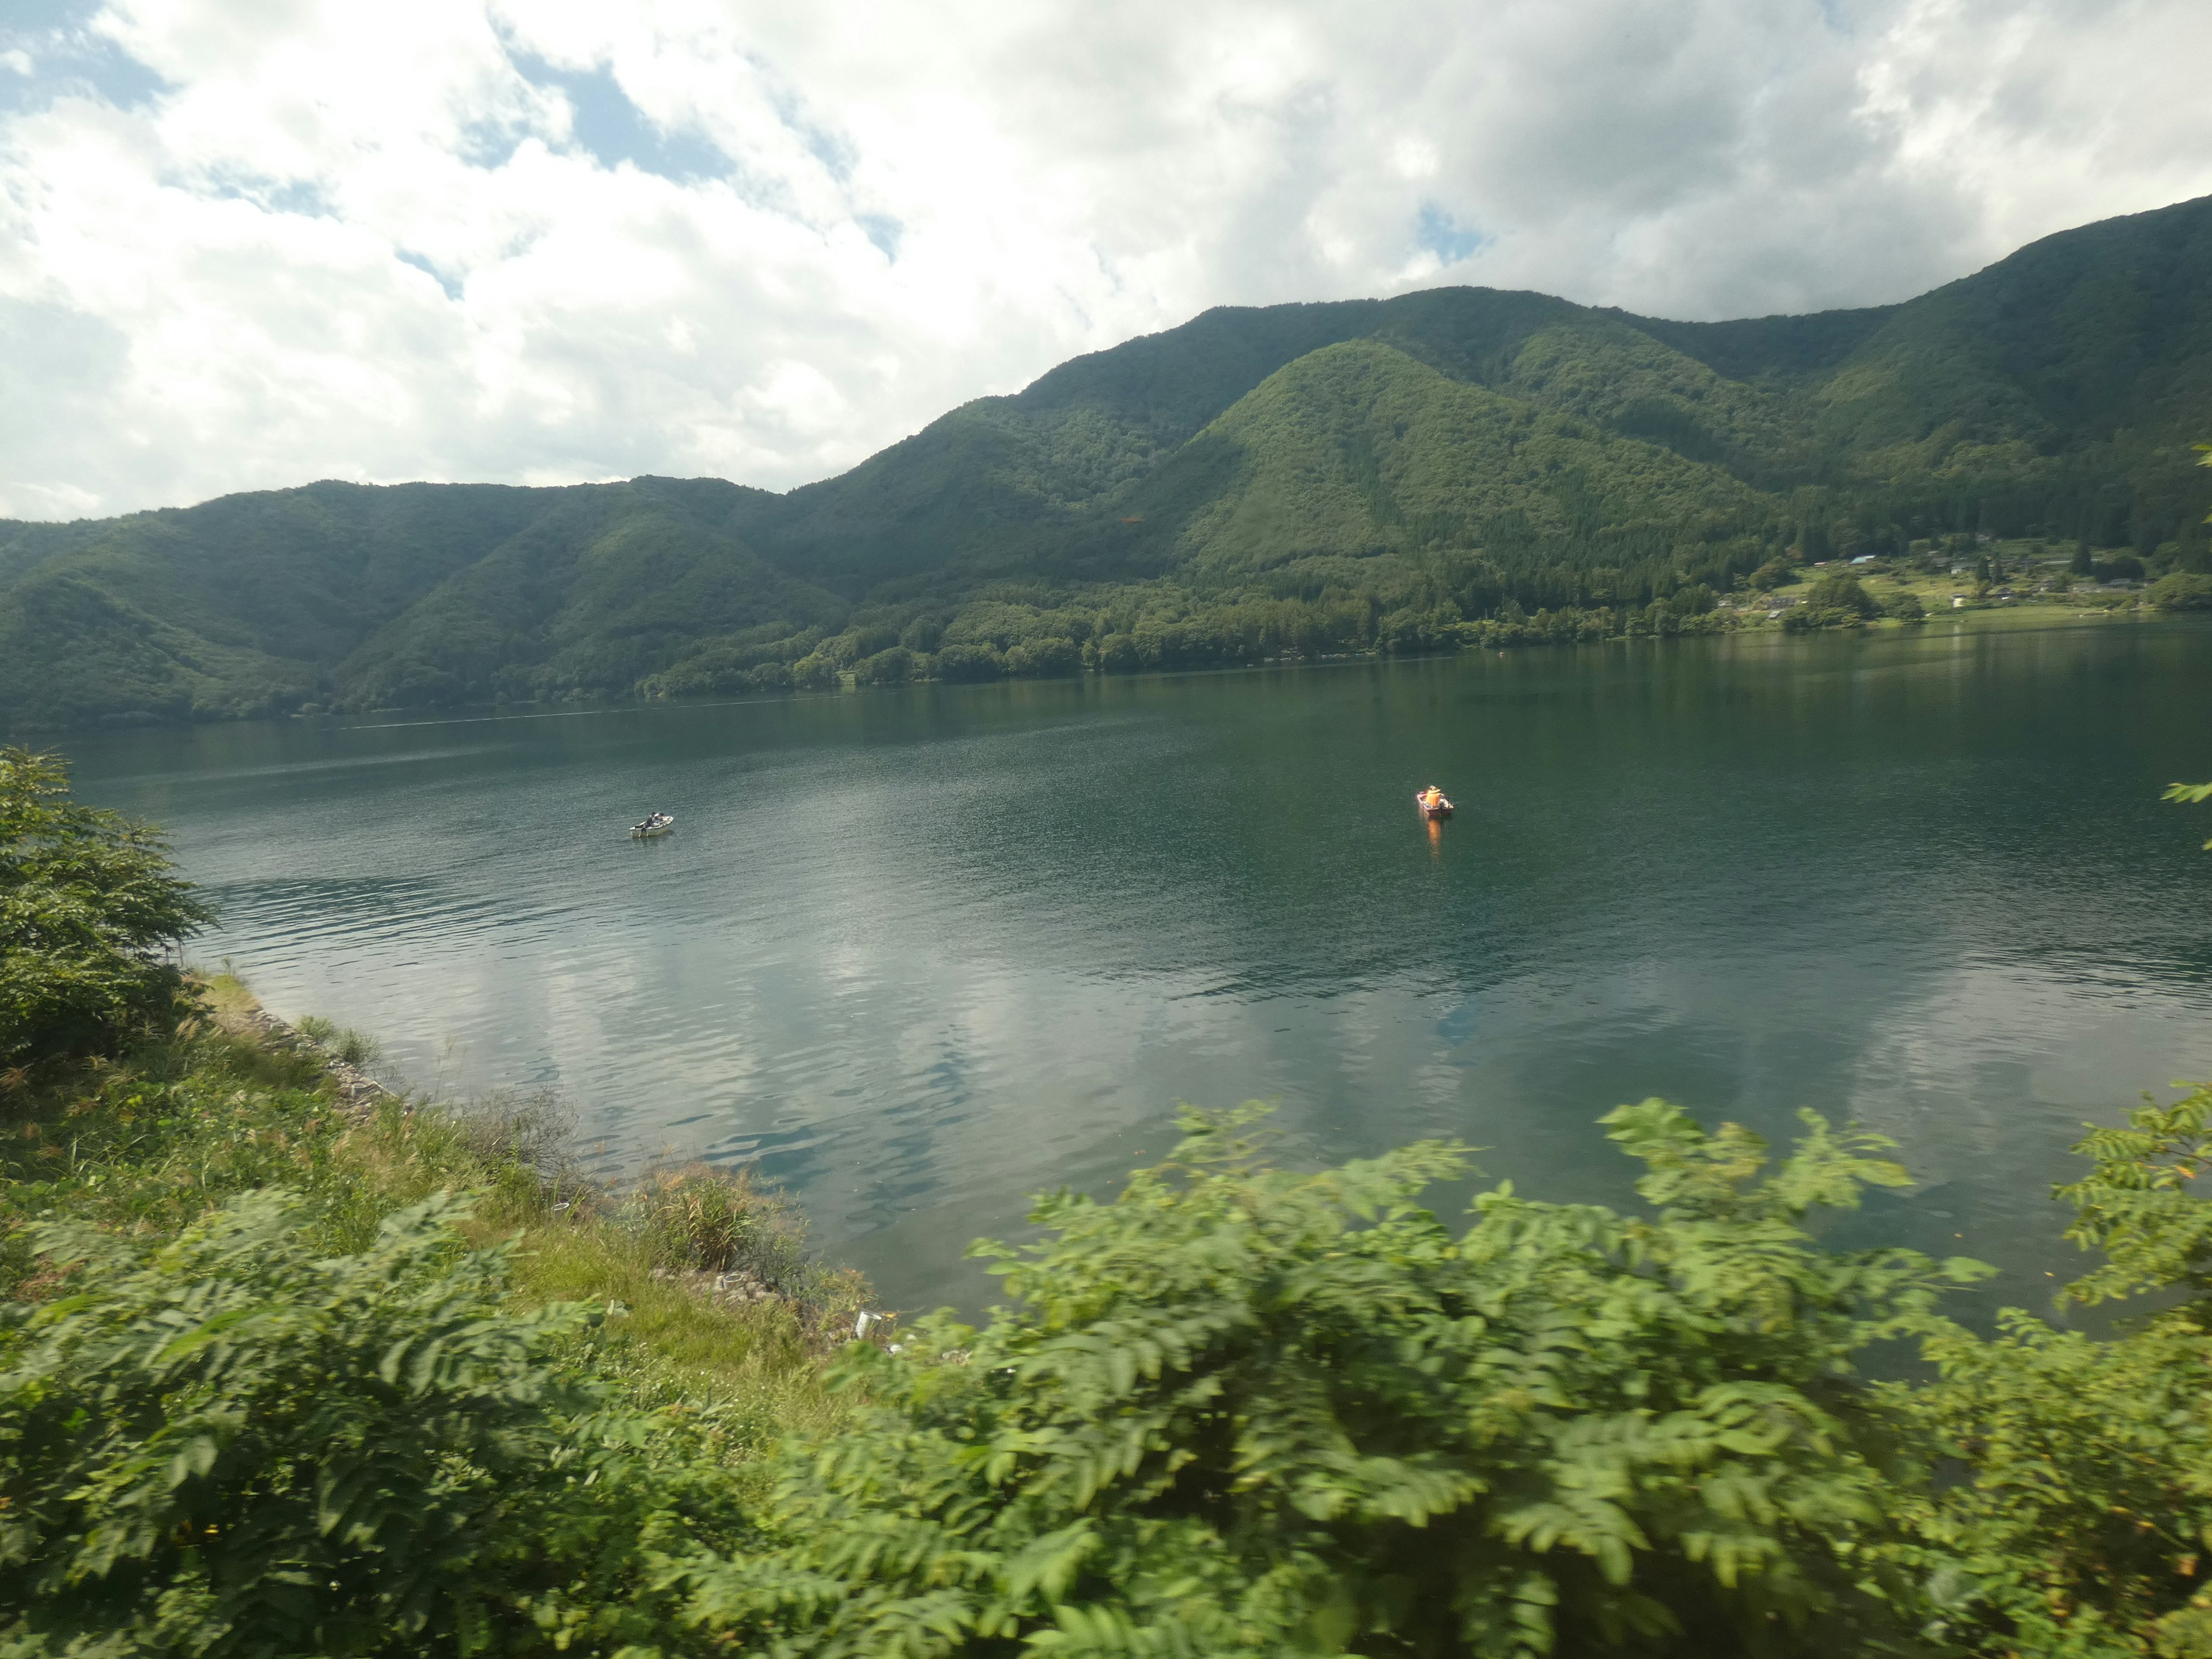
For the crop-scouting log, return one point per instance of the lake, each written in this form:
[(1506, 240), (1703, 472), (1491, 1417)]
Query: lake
[(920, 953)]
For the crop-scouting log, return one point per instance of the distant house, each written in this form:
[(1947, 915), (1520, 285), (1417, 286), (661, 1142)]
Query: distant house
[(1865, 558), (1958, 601)]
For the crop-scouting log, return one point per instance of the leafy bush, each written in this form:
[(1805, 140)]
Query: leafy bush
[(1051, 656), (2082, 1525), (969, 662), (1246, 1410), (2181, 590), (1842, 594), (235, 1446), (892, 667), (1807, 619), (87, 904)]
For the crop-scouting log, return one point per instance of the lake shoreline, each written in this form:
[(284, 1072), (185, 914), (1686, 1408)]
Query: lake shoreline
[(1981, 617), (916, 957)]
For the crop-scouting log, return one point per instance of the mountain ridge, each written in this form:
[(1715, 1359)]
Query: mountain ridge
[(1441, 455)]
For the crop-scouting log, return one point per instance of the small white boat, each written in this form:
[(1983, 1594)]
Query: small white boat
[(659, 825)]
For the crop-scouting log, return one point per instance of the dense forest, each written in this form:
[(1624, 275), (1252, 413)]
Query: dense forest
[(283, 1373), (1297, 480)]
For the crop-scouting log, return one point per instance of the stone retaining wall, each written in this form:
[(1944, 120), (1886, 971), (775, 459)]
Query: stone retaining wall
[(356, 1091)]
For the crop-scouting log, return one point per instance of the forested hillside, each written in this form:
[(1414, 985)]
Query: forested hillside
[(1299, 479)]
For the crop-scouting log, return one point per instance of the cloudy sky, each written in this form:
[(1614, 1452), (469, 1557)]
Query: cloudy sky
[(248, 243)]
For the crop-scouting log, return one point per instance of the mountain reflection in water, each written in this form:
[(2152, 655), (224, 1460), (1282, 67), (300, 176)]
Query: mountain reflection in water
[(922, 952)]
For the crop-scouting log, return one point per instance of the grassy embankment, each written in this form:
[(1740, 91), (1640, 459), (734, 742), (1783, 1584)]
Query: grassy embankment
[(147, 1143)]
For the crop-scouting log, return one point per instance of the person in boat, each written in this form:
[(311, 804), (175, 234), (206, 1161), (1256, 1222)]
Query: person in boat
[(1432, 799)]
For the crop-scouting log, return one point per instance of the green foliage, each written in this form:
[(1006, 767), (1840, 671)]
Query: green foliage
[(701, 1219), (2189, 794), (87, 904), (1839, 592), (2084, 1525), (1240, 1409), (1248, 1411), (2181, 590), (894, 667), (235, 1445), (142, 1193), (343, 1042)]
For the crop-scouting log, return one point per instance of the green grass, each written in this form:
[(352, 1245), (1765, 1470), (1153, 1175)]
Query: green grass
[(2027, 570), (145, 1145)]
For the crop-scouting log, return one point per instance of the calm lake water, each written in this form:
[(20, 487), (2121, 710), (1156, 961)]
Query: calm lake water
[(921, 953)]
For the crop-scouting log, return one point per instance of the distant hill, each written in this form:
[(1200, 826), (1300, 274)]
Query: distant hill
[(1359, 475)]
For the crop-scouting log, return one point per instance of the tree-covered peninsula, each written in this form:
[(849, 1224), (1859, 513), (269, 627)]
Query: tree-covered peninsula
[(1462, 466), (292, 1367)]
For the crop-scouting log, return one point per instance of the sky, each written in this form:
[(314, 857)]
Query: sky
[(245, 244)]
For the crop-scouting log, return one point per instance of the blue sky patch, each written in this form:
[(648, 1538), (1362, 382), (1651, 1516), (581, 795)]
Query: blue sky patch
[(299, 196), (66, 57), (408, 258), (1445, 237), (882, 230), (611, 129)]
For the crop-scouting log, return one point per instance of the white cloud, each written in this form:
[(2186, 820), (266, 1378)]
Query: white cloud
[(246, 245)]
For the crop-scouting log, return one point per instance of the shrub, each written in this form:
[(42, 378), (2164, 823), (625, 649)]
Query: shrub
[(699, 1217), (236, 1446), (892, 667), (1247, 1411), (1808, 618), (87, 904), (1905, 606), (2080, 1525), (2181, 590), (1117, 654), (969, 662), (1842, 594), (1045, 657)]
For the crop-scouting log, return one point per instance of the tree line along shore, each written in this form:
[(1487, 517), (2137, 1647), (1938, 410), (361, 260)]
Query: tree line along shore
[(2025, 581)]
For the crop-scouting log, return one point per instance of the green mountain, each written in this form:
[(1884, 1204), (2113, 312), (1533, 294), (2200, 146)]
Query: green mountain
[(1354, 475)]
